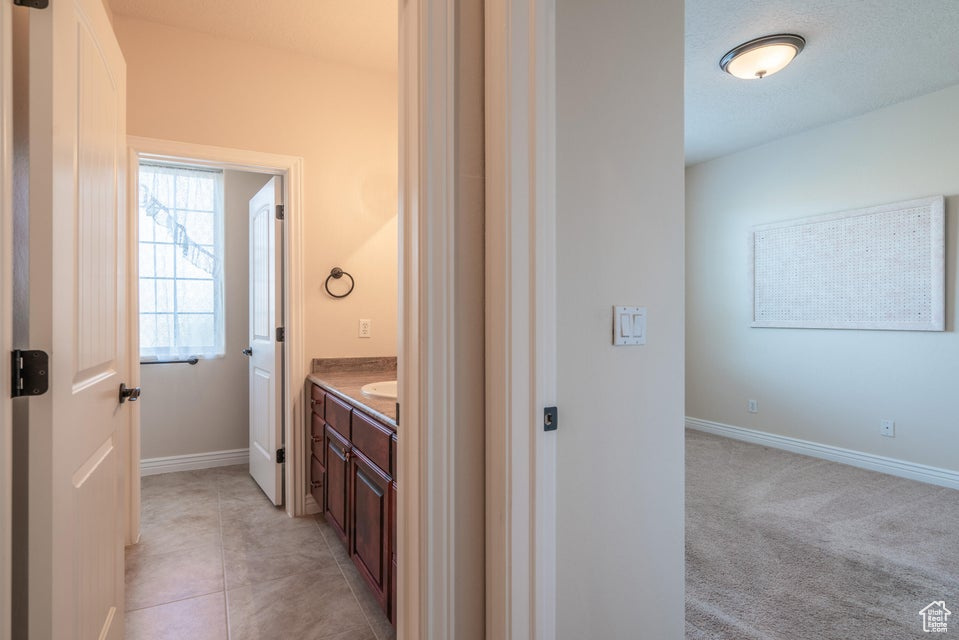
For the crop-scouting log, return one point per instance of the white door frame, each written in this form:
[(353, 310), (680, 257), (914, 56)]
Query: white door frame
[(6, 311), (296, 364), (520, 318), (520, 323)]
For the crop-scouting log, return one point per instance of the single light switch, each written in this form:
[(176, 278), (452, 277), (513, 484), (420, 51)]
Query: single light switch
[(625, 326), (629, 326), (639, 325)]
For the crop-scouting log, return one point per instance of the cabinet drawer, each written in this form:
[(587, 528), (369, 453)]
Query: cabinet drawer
[(317, 472), (316, 435), (372, 439), (317, 400), (338, 416)]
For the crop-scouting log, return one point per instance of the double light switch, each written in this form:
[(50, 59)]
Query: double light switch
[(629, 325)]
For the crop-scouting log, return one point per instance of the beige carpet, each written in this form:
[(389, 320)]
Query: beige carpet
[(783, 546)]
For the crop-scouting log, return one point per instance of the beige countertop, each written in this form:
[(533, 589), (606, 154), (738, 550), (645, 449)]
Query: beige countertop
[(344, 377)]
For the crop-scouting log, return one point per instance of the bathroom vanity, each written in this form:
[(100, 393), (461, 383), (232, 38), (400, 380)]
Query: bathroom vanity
[(353, 465)]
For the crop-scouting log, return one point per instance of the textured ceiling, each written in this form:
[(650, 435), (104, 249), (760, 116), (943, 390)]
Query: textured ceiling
[(357, 32), (860, 55)]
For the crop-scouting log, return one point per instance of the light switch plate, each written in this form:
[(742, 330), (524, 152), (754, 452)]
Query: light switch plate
[(629, 326)]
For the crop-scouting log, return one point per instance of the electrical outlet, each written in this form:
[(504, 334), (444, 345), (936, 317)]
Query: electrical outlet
[(753, 406), (366, 328), (887, 428)]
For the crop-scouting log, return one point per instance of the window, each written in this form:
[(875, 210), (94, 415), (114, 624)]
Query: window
[(181, 258)]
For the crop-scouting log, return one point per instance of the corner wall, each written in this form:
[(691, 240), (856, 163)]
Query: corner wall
[(192, 87), (620, 442), (827, 386)]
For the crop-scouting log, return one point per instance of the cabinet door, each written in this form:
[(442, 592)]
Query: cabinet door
[(337, 454), (317, 478), (392, 600), (369, 537)]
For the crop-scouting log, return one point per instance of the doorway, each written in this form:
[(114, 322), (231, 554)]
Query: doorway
[(194, 271), (243, 174)]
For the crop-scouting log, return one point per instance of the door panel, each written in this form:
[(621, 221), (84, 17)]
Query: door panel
[(266, 360), (77, 309), (337, 482), (369, 538)]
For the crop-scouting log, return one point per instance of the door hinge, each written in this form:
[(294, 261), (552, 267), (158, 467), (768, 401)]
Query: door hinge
[(280, 211), (280, 456), (33, 4), (30, 373), (397, 414), (280, 334)]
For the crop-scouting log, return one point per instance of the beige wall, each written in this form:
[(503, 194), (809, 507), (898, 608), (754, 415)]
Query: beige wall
[(197, 409), (190, 87), (830, 387), (620, 241)]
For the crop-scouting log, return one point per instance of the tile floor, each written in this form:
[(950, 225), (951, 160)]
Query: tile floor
[(217, 561)]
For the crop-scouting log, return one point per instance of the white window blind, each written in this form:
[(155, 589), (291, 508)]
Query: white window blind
[(181, 258)]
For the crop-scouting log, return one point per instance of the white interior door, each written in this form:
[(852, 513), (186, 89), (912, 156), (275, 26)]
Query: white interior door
[(78, 315), (6, 313), (266, 359)]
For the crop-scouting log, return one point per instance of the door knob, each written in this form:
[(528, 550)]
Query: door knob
[(128, 393), (248, 351)]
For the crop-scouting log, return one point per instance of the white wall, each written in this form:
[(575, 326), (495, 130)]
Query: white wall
[(191, 87), (197, 409), (620, 225), (830, 387)]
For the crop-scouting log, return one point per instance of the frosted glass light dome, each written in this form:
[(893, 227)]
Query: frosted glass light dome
[(762, 57)]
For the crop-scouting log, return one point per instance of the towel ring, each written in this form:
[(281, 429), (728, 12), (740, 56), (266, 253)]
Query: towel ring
[(336, 273)]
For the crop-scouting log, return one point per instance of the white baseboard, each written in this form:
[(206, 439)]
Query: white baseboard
[(892, 466), (191, 461)]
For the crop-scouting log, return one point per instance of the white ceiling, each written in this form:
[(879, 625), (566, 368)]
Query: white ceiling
[(860, 55), (358, 32)]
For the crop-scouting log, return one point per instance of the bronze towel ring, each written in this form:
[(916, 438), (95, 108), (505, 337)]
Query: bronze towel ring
[(336, 273)]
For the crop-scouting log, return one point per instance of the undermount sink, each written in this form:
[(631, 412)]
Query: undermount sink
[(385, 389)]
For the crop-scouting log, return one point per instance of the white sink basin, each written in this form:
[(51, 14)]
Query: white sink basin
[(385, 390)]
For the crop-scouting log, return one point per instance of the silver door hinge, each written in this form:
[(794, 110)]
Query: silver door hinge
[(29, 373), (280, 334), (280, 211), (33, 4)]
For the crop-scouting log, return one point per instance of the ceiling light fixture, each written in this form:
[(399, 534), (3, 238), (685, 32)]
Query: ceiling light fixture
[(763, 56)]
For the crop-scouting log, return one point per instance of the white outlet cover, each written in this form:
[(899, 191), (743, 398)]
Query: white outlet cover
[(629, 326)]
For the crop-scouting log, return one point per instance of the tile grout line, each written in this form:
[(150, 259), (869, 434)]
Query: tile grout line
[(219, 521), (349, 584), (174, 601)]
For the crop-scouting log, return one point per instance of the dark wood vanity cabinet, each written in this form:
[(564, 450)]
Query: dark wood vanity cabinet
[(352, 479)]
